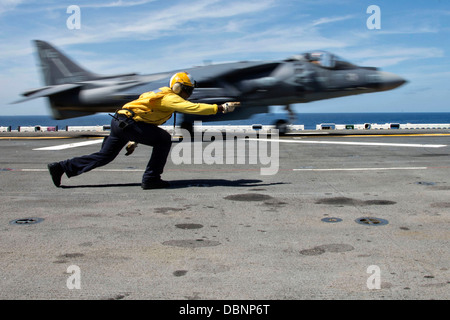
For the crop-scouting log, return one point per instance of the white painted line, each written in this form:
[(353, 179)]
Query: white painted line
[(363, 169), (304, 169), (119, 170), (101, 170), (69, 145), (411, 145)]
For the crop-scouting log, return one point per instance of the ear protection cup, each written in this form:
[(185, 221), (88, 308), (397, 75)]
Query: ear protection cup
[(177, 87)]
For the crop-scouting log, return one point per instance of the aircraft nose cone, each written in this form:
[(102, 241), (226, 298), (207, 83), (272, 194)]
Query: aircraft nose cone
[(389, 81)]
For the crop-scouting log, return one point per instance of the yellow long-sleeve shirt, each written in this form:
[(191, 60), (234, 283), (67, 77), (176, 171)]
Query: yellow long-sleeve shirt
[(157, 107)]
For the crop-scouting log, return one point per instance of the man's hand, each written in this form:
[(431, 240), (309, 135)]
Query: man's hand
[(130, 147), (229, 106)]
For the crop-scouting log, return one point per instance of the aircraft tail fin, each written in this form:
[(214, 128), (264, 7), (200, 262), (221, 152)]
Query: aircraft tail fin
[(57, 68)]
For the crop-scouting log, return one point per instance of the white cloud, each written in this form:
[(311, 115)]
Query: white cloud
[(407, 30), (7, 5), (385, 56), (197, 18), (199, 13), (115, 4), (326, 20)]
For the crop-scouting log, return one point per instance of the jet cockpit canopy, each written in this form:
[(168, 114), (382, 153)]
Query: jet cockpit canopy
[(324, 59)]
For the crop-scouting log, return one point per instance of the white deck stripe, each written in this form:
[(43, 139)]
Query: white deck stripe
[(362, 169), (70, 145), (101, 170), (301, 169), (411, 145)]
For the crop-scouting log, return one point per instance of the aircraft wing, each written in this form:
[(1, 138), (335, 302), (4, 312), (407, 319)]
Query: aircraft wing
[(47, 91), (230, 79), (215, 83)]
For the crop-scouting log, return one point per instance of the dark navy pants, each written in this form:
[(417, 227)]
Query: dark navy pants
[(137, 131)]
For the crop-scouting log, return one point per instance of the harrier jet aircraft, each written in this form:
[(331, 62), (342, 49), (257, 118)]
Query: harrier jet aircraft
[(73, 91)]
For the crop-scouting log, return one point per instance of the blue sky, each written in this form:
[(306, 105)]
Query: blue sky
[(146, 36)]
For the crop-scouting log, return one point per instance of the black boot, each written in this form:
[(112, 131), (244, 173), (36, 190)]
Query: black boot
[(155, 184), (56, 171)]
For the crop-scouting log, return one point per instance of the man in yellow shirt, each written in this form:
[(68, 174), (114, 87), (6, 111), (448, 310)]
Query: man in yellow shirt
[(138, 121)]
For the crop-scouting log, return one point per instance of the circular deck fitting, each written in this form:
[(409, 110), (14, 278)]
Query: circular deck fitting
[(26, 221), (331, 220), (371, 221)]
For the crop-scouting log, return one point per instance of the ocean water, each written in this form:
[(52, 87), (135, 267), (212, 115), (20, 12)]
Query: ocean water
[(309, 120)]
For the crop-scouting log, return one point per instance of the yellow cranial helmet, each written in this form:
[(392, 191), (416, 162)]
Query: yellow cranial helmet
[(182, 81)]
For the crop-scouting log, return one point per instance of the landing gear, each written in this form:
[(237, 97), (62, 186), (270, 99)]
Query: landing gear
[(282, 125)]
